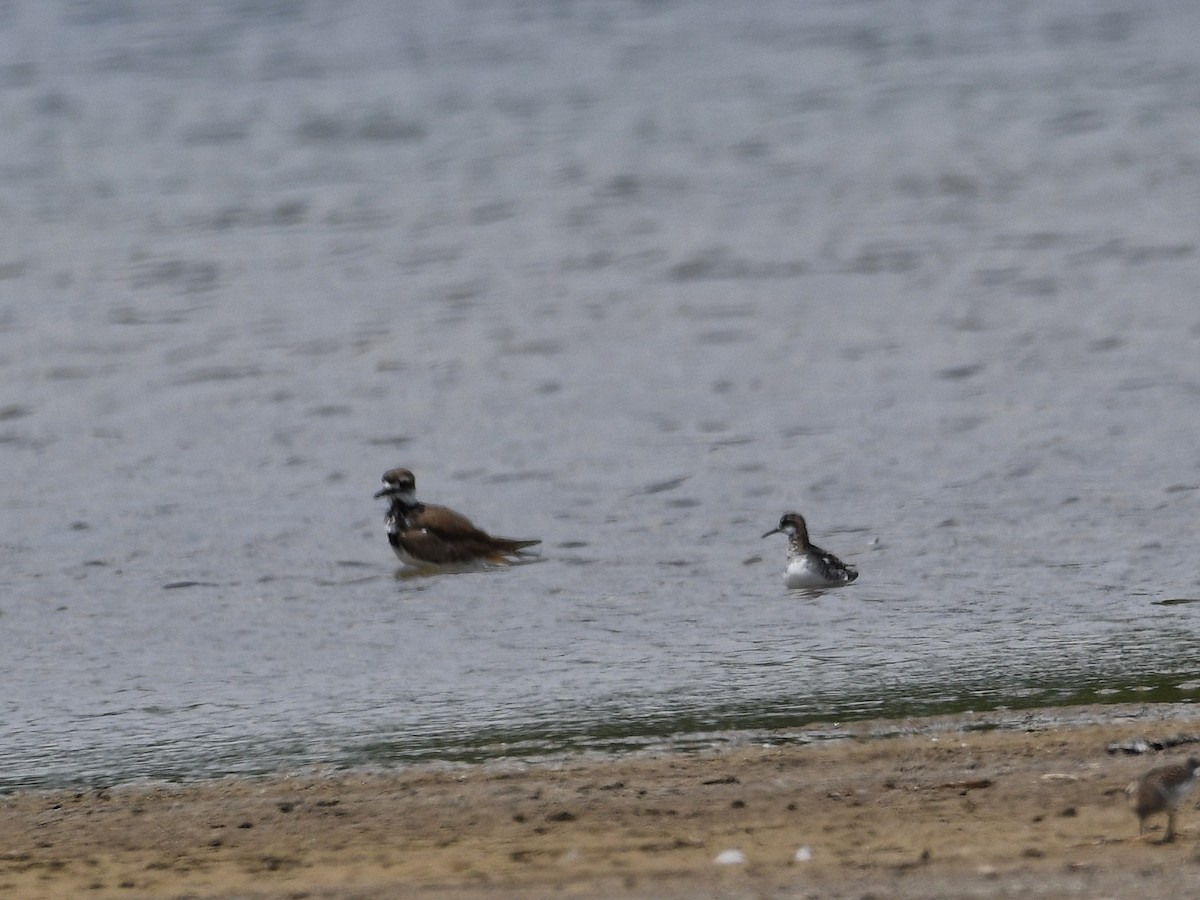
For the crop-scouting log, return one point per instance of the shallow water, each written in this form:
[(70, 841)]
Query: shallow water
[(634, 279)]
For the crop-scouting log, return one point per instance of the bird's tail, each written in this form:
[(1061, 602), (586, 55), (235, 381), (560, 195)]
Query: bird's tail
[(505, 547)]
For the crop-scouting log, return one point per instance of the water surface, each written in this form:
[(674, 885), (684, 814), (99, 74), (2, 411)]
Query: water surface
[(631, 278)]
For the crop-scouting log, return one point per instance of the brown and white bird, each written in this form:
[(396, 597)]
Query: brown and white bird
[(426, 536), (1160, 790)]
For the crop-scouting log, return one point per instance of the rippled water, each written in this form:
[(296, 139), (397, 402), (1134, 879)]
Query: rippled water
[(633, 278)]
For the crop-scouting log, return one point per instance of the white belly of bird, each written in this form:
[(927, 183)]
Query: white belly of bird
[(800, 573)]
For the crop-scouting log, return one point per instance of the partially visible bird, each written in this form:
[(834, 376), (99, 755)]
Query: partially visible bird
[(1160, 790)]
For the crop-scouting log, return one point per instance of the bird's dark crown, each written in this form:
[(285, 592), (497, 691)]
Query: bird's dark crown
[(396, 482), (791, 524)]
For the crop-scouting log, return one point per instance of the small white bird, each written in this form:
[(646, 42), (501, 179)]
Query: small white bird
[(808, 566)]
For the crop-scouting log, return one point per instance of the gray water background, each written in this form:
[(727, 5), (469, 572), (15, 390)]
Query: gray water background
[(631, 277)]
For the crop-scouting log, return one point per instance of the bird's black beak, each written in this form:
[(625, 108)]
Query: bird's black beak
[(773, 531), (384, 492)]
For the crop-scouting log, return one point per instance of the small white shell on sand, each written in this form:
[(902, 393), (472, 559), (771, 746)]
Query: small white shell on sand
[(730, 858)]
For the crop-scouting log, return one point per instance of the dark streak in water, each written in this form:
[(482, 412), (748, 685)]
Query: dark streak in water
[(732, 723), (659, 487)]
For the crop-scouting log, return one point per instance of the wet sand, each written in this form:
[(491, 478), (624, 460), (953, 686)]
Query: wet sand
[(940, 810)]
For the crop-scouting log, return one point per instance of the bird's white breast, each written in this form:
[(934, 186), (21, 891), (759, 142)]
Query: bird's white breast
[(800, 573)]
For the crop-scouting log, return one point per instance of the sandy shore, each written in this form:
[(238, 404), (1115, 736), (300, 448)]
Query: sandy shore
[(946, 811)]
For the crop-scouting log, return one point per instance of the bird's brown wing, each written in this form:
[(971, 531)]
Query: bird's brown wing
[(426, 545), (441, 535), (448, 524)]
